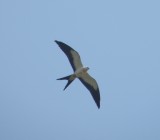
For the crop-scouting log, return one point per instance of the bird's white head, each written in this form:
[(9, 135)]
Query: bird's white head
[(86, 68)]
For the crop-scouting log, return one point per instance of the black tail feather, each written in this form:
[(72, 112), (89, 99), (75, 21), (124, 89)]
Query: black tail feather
[(69, 78), (64, 78), (68, 83)]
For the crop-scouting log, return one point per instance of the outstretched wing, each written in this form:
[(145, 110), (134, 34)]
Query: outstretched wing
[(91, 84), (72, 55)]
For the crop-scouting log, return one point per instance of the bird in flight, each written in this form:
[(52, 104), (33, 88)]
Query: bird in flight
[(80, 72)]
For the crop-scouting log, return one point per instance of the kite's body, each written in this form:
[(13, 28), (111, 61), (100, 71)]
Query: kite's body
[(80, 72)]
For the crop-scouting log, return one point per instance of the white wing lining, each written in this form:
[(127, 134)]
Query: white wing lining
[(88, 79), (76, 60)]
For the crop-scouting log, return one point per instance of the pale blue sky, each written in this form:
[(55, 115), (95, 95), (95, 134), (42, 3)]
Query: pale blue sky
[(118, 40)]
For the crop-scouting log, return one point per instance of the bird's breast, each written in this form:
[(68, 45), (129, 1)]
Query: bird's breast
[(79, 72)]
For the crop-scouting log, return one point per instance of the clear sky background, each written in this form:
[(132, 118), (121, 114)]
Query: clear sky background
[(119, 40)]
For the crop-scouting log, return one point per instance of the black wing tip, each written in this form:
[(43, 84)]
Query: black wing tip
[(98, 105), (57, 41), (60, 43)]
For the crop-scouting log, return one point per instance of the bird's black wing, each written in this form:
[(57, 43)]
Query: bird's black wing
[(91, 84), (72, 55)]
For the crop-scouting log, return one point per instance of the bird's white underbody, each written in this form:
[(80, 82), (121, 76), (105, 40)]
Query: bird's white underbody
[(81, 71)]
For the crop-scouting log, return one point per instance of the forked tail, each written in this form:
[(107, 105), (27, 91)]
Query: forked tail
[(70, 79)]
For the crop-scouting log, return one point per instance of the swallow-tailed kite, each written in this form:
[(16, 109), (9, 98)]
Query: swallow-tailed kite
[(80, 72)]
